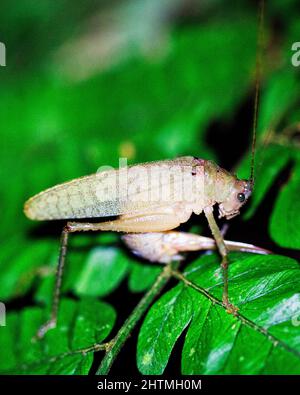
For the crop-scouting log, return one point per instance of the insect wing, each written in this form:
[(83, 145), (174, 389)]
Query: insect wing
[(137, 189)]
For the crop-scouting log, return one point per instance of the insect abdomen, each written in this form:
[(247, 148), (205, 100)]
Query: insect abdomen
[(74, 199)]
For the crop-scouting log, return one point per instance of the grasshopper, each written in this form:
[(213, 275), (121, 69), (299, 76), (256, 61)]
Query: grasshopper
[(155, 199), (148, 201)]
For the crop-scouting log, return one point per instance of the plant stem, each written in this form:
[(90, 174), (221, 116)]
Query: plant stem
[(125, 331), (201, 290)]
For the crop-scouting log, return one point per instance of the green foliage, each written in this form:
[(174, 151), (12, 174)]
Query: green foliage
[(163, 325), (267, 292), (80, 325), (149, 103), (105, 263), (285, 220), (142, 276)]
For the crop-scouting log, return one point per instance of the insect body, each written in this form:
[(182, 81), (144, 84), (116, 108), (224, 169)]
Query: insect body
[(163, 193), (149, 201)]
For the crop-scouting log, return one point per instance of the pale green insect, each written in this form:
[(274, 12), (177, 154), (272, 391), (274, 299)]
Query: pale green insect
[(150, 200), (167, 192)]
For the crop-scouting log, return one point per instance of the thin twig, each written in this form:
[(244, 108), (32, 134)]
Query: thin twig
[(125, 331), (52, 359)]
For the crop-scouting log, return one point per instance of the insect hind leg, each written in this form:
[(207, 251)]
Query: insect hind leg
[(58, 281), (138, 223), (164, 247), (71, 227)]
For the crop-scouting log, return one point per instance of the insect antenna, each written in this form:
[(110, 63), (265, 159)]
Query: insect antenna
[(258, 73)]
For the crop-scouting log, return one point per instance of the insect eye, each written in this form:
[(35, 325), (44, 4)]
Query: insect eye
[(241, 197)]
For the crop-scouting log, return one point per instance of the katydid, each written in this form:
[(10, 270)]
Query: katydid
[(150, 200)]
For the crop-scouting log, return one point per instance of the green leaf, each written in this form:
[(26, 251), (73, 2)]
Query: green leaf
[(163, 325), (285, 84), (78, 263), (142, 276), (93, 324), (285, 220), (20, 265), (264, 288), (80, 325), (102, 272)]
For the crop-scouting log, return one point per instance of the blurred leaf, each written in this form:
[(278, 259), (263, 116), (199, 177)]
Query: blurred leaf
[(80, 325), (266, 290), (103, 271), (20, 264), (283, 84), (270, 160), (285, 219), (142, 276)]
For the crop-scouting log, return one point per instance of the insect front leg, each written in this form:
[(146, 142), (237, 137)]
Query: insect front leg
[(224, 254)]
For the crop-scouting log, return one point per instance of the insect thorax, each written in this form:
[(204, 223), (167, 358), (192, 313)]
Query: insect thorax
[(218, 183)]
